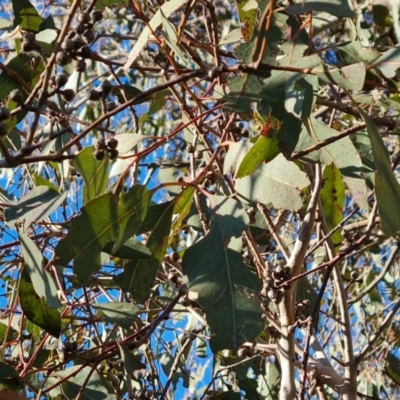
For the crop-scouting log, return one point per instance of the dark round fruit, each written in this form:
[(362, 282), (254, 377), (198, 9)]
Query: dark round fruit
[(106, 87), (88, 36), (68, 45), (110, 105), (68, 94), (4, 113), (80, 65), (112, 143), (354, 275), (174, 256), (86, 52), (99, 155), (94, 95), (97, 15), (17, 96), (78, 43), (113, 154), (61, 80), (190, 148), (79, 29), (62, 58), (3, 130), (100, 144), (198, 155), (83, 18)]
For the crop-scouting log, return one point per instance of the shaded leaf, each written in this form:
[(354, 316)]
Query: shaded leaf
[(350, 77), (389, 62), (37, 205), (342, 153), (7, 371), (115, 312), (36, 309), (132, 249), (132, 362), (224, 284), (7, 333), (392, 367), (106, 218), (279, 183), (387, 188), (138, 278), (86, 382), (94, 173), (42, 281), (335, 7), (333, 197)]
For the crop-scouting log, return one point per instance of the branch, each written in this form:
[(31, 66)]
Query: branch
[(286, 348), (378, 278), (378, 332)]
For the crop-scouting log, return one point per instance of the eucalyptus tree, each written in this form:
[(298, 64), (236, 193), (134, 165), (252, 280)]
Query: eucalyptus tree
[(199, 199)]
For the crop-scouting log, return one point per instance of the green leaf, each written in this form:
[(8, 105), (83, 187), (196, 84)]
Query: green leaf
[(171, 37), (387, 188), (167, 9), (243, 90), (37, 205), (39, 180), (183, 205), (7, 333), (42, 281), (389, 62), (26, 69), (247, 11), (279, 183), (392, 367), (333, 197), (115, 312), (106, 218), (132, 249), (129, 91), (132, 363), (87, 383), (138, 278), (36, 309), (224, 284), (264, 150), (350, 77), (342, 153), (7, 371), (94, 173), (158, 239), (339, 8), (26, 16)]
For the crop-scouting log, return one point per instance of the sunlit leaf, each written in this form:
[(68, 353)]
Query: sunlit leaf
[(42, 281), (332, 197), (115, 312), (38, 204), (106, 218), (36, 308), (94, 173), (26, 15)]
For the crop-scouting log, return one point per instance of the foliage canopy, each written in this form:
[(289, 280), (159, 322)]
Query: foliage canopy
[(200, 199)]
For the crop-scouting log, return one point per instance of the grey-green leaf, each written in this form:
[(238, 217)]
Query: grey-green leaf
[(42, 281), (387, 189), (38, 204)]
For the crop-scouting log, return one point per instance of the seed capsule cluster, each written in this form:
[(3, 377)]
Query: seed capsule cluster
[(76, 44), (102, 146), (275, 276)]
